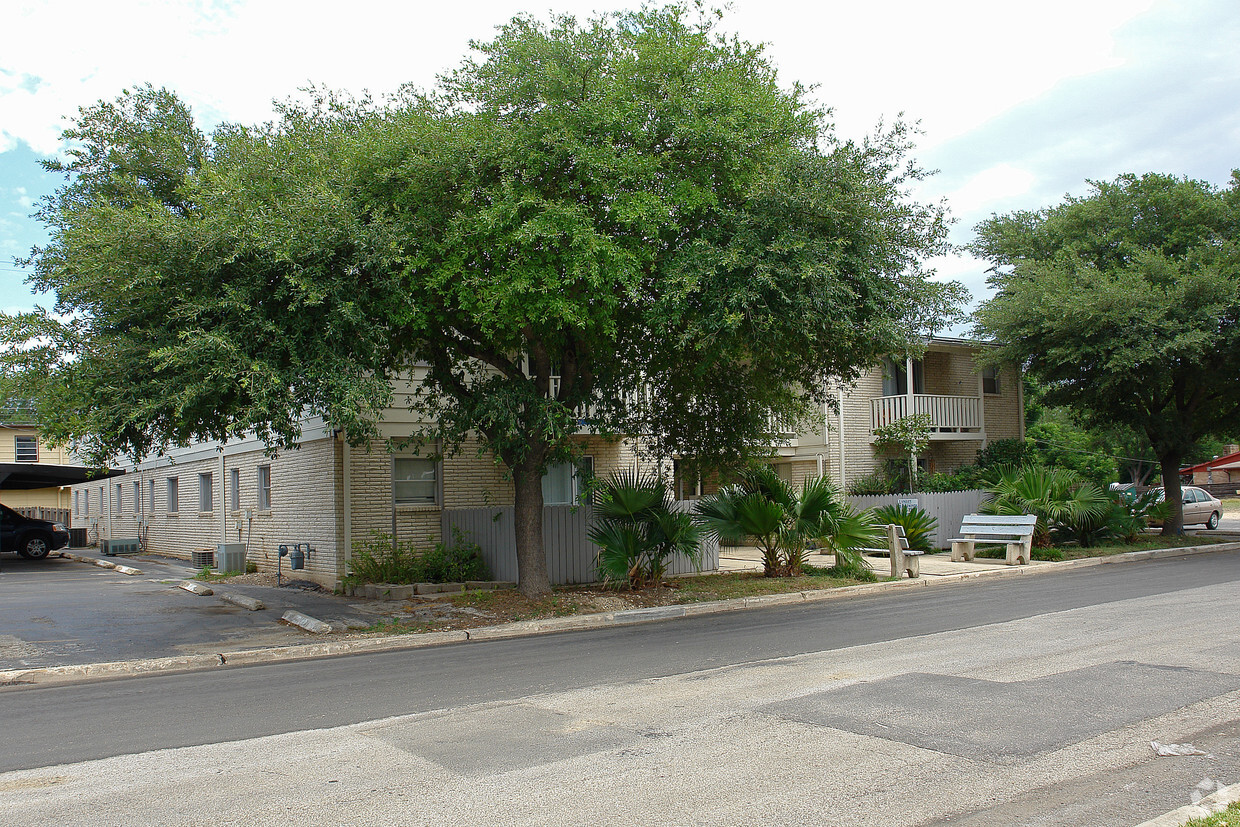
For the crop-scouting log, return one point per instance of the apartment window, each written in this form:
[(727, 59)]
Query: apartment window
[(119, 501), (264, 488), (150, 497), (137, 496), (565, 482), (174, 495), (206, 493), (415, 481), (234, 489), (990, 380), (26, 449), (77, 503), (86, 500), (895, 377)]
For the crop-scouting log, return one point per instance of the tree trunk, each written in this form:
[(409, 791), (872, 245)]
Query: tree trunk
[(1174, 524), (528, 522)]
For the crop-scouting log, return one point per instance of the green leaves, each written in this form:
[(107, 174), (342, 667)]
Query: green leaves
[(1124, 305)]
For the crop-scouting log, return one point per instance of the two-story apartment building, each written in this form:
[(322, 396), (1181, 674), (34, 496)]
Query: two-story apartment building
[(34, 476), (968, 406), (331, 495)]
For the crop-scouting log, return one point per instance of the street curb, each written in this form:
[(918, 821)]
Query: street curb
[(526, 628), (1208, 806)]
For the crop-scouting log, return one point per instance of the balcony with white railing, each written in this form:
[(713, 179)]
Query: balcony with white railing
[(951, 417)]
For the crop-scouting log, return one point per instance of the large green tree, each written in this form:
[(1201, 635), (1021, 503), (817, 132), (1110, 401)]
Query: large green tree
[(627, 221), (1124, 305)]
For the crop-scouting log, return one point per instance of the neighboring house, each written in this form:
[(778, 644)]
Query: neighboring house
[(34, 476), (333, 496), (968, 407), (1220, 470)]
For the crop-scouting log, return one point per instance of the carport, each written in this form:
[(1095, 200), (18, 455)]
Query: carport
[(25, 476)]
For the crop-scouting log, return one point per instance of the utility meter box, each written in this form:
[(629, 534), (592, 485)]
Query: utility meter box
[(230, 557)]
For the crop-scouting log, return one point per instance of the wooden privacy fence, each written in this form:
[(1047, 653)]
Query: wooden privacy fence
[(948, 507), (571, 557)]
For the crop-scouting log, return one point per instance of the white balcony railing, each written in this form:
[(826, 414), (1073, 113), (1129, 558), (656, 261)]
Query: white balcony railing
[(954, 413)]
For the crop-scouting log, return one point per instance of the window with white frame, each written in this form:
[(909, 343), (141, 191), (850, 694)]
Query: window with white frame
[(118, 500), (565, 482), (25, 449), (150, 496), (77, 503), (137, 496), (174, 495), (264, 488), (86, 502), (206, 493), (234, 489), (415, 481), (990, 380)]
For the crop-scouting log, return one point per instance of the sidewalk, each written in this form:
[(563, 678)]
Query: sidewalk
[(748, 558)]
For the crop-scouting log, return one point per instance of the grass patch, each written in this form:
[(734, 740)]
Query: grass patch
[(399, 627), (1073, 552), (1227, 818), (214, 577), (751, 584), (1145, 543)]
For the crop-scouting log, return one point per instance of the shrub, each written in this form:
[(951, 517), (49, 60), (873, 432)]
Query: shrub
[(917, 523), (1065, 504), (638, 532), (871, 484), (379, 560), (456, 563)]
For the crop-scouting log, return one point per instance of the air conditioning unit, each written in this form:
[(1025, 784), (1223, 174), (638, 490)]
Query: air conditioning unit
[(202, 558), (120, 545), (230, 557)]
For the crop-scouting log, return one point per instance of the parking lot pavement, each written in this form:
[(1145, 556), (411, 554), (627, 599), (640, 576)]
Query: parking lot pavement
[(60, 612)]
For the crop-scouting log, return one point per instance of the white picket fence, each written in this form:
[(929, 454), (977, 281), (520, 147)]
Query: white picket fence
[(948, 507)]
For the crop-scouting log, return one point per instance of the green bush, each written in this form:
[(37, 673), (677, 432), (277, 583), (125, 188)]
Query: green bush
[(871, 484), (918, 525), (454, 564), (379, 560)]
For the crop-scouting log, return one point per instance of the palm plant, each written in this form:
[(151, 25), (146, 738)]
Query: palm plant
[(638, 531), (918, 525), (783, 521), (1061, 499)]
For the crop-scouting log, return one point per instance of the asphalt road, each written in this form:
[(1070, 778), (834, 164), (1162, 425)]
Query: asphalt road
[(1028, 700)]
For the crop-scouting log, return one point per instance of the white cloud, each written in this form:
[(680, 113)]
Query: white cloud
[(991, 188)]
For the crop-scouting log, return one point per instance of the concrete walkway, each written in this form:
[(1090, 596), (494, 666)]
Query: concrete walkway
[(748, 558)]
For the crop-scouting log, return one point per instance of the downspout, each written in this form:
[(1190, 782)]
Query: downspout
[(346, 474), (843, 478), (223, 500), (981, 404)]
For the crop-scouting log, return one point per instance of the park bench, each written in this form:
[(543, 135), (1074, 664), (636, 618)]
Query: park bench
[(1015, 532), (903, 558)]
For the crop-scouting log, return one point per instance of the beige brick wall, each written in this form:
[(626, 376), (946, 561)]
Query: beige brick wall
[(305, 502)]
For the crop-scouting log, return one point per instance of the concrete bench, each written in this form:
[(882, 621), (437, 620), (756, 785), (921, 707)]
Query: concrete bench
[(903, 558), (1015, 532)]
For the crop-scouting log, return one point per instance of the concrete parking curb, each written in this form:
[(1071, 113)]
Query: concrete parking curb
[(63, 674), (1208, 806)]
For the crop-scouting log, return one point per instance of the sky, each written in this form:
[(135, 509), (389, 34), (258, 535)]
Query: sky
[(1018, 103)]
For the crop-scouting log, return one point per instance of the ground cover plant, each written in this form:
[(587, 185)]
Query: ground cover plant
[(380, 560)]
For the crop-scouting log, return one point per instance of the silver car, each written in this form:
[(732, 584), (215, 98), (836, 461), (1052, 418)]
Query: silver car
[(1200, 508)]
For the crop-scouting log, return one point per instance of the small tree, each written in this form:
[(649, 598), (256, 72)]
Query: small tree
[(909, 436)]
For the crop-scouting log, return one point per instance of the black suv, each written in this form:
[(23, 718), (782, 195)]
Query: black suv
[(32, 539)]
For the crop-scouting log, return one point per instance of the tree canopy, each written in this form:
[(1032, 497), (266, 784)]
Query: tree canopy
[(1124, 305), (627, 221)]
